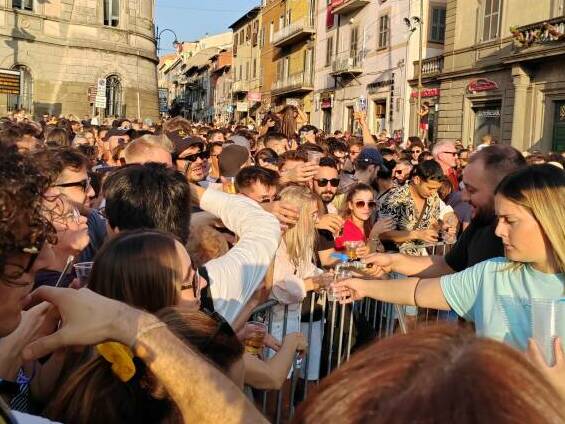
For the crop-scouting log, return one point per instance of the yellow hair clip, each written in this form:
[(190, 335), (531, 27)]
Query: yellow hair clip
[(121, 358)]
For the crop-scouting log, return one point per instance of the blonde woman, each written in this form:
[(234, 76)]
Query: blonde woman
[(497, 294), (294, 270)]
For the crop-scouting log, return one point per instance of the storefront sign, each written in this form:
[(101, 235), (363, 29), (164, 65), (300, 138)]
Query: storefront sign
[(163, 100), (254, 96), (482, 84), (488, 113), (91, 94), (101, 93), (427, 92), (242, 106), (375, 86), (9, 81)]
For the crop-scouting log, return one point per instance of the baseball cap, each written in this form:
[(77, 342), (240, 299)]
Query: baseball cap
[(232, 158), (370, 156), (182, 141)]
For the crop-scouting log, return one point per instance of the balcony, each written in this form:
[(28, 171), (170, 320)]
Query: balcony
[(349, 64), (293, 33), (431, 67), (541, 33), (240, 87), (297, 83), (343, 7)]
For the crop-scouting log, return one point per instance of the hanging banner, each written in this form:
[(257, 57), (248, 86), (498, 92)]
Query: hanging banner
[(101, 93)]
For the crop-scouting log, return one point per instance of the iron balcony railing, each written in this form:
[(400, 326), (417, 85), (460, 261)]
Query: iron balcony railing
[(293, 32), (350, 63), (297, 82), (430, 67)]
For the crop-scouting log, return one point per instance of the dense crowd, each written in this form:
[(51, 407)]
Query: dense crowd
[(134, 256)]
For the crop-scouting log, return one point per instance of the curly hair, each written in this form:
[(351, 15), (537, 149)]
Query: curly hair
[(22, 223)]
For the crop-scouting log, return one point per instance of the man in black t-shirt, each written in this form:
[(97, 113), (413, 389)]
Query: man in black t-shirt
[(478, 242)]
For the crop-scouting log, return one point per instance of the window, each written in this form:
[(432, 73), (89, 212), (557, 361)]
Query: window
[(271, 30), (354, 42), (241, 36), (23, 101), (384, 31), (112, 12), (437, 27), (22, 4), (329, 50), (240, 72), (491, 21), (254, 68), (113, 96), (246, 71)]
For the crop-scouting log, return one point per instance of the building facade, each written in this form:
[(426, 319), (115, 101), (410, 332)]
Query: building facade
[(63, 48), (503, 73), (364, 55), (222, 87), (294, 58), (246, 65)]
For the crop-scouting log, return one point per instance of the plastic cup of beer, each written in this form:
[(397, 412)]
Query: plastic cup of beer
[(314, 157), (83, 270), (255, 342), (351, 249), (548, 322), (229, 185)]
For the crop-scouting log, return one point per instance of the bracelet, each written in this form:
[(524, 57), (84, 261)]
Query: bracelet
[(415, 290)]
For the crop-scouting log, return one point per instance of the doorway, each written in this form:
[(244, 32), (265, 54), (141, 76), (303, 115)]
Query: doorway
[(558, 144), (487, 121)]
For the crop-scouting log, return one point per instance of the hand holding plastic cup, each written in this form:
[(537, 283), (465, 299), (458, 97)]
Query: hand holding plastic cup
[(314, 157), (255, 342), (323, 281), (351, 248), (548, 322), (83, 270), (339, 276)]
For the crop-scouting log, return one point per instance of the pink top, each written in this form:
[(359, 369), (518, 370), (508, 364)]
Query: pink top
[(351, 232)]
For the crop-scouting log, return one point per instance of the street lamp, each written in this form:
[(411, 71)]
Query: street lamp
[(158, 38), (413, 23)]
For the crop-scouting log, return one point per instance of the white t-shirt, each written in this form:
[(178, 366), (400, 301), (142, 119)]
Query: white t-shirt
[(235, 276)]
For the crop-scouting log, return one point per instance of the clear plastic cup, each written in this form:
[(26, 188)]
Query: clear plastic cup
[(548, 322), (229, 185), (315, 157), (255, 343), (83, 270), (339, 276)]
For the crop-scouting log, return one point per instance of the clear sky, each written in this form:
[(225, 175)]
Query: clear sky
[(192, 19)]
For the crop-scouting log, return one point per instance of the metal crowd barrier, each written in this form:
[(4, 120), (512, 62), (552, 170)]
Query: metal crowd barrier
[(345, 328)]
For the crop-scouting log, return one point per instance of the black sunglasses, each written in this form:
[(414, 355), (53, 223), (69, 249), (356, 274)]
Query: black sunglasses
[(84, 184), (195, 156), (322, 182), (361, 204)]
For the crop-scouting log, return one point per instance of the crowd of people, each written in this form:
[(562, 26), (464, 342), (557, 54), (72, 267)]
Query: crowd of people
[(185, 230)]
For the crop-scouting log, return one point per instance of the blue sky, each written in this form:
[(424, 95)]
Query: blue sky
[(192, 19)]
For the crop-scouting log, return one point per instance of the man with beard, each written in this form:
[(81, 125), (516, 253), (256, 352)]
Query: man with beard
[(478, 242), (189, 156)]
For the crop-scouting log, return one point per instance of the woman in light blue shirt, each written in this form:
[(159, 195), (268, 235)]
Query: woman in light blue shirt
[(497, 294)]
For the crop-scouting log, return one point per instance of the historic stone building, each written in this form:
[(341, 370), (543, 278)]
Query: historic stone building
[(502, 73), (63, 47)]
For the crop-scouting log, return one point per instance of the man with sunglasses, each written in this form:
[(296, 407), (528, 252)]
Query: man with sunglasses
[(189, 156), (445, 153), (326, 182)]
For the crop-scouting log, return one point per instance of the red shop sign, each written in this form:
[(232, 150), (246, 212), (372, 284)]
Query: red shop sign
[(482, 84), (427, 92)]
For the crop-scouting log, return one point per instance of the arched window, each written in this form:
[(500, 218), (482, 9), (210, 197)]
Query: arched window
[(25, 99), (113, 96)]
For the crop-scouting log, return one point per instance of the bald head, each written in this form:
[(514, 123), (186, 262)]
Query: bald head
[(142, 151)]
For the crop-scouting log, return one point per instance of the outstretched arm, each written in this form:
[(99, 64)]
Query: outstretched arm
[(202, 393)]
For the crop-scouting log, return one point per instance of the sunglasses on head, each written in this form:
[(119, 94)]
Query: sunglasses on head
[(370, 204), (323, 182), (84, 184), (195, 156)]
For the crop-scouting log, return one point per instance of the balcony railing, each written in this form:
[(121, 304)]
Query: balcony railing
[(294, 83), (545, 32), (293, 32), (240, 86), (348, 64), (430, 67), (343, 7)]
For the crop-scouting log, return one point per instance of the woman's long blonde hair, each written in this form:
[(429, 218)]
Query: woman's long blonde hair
[(300, 238), (541, 190)]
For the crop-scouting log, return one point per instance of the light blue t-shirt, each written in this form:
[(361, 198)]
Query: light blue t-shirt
[(498, 298)]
